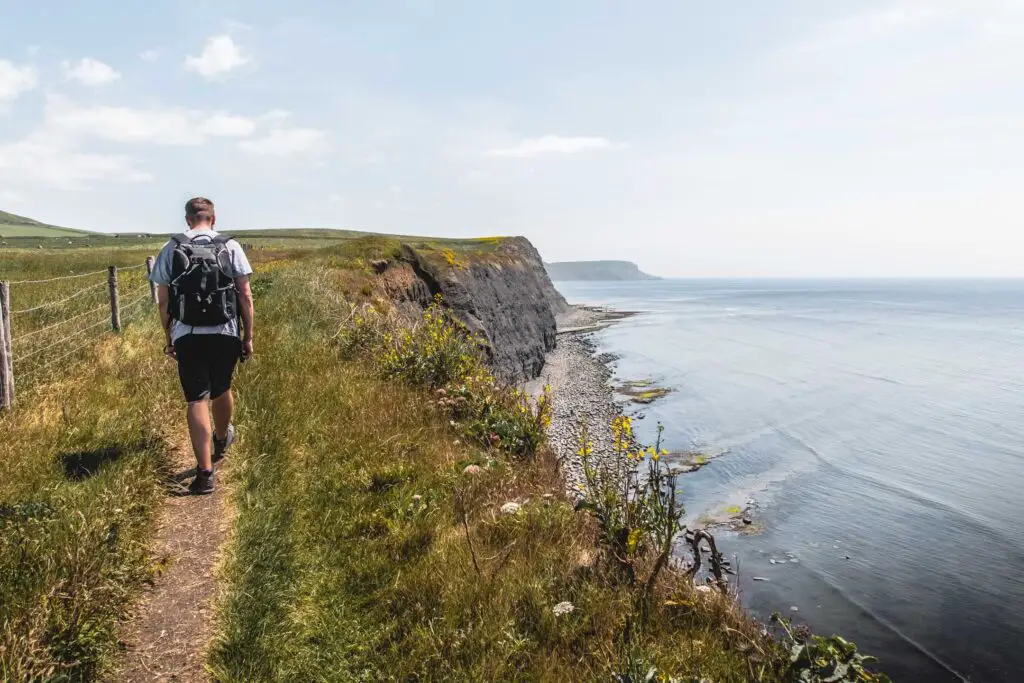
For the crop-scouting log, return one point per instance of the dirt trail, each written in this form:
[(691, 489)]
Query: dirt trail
[(173, 624)]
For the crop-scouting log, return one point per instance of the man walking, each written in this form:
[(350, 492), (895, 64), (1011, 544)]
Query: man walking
[(203, 290)]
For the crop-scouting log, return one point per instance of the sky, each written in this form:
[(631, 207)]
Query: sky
[(793, 138)]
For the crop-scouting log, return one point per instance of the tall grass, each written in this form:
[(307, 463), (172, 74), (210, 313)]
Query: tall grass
[(83, 454)]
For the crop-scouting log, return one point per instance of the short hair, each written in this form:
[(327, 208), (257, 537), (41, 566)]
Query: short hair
[(199, 209)]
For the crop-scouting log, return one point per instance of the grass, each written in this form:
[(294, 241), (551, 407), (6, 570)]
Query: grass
[(351, 557), (83, 453), (362, 550), (9, 230)]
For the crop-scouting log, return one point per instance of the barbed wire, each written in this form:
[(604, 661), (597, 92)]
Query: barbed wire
[(26, 335), (61, 341), (76, 275), (134, 302), (55, 279), (141, 297), (92, 338), (51, 304), (129, 310)]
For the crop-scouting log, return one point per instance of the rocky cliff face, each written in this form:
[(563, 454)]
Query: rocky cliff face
[(501, 292)]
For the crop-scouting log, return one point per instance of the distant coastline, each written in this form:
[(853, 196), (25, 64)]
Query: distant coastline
[(569, 271)]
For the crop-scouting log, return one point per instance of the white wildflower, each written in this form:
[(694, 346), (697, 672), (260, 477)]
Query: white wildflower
[(510, 508), (563, 608)]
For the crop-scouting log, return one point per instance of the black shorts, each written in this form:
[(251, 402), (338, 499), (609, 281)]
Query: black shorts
[(206, 363)]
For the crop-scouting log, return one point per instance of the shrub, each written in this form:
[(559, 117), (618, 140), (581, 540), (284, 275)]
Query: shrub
[(498, 417), (815, 659), (434, 353), (439, 353)]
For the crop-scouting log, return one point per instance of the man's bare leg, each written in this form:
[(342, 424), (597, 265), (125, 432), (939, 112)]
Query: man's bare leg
[(201, 433), (223, 409)]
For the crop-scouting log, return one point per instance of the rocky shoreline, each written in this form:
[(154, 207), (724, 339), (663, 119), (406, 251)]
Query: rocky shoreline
[(583, 393), (579, 379)]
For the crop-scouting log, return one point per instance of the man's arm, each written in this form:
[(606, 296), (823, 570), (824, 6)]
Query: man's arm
[(163, 297), (161, 277), (246, 310)]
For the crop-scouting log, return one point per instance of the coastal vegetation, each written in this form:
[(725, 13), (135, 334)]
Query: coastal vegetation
[(397, 512)]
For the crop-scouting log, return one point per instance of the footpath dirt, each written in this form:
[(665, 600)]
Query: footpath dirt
[(168, 636)]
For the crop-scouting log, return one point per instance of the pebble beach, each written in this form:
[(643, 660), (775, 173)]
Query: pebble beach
[(579, 380)]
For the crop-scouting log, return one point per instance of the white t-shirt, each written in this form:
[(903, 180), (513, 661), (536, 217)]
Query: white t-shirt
[(161, 275)]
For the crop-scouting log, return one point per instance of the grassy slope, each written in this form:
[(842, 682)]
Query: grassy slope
[(339, 573), (12, 225)]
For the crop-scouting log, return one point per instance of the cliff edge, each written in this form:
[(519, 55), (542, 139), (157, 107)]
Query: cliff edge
[(498, 287)]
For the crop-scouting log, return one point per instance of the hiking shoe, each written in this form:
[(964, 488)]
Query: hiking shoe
[(221, 446), (202, 484)]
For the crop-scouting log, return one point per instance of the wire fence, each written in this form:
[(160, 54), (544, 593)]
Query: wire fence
[(56, 279), (59, 302), (56, 322)]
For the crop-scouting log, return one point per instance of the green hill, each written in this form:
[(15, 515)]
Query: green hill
[(12, 225), (596, 270)]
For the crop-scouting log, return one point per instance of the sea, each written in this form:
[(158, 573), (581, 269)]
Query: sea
[(875, 429)]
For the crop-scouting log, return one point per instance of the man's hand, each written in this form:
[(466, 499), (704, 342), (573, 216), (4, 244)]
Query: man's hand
[(169, 350), (246, 349)]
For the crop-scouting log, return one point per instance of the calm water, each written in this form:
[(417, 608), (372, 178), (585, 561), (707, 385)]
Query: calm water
[(883, 421)]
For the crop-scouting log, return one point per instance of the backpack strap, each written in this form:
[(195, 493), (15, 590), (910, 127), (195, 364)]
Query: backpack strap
[(222, 239), (181, 238)]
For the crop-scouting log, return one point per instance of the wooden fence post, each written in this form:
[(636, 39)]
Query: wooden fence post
[(115, 303), (6, 359), (152, 285)]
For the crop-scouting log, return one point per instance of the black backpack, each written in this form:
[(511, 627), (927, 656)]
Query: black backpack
[(202, 291)]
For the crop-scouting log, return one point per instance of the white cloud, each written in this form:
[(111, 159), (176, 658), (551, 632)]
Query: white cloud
[(228, 125), (287, 142), (15, 80), (553, 144), (42, 160), (91, 72), (149, 55), (56, 154), (170, 127), (220, 56)]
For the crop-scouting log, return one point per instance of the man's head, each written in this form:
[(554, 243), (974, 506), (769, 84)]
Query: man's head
[(199, 213)]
